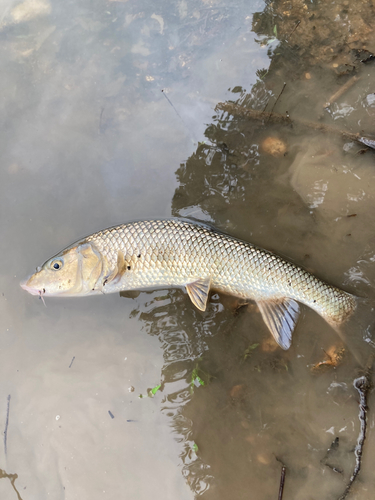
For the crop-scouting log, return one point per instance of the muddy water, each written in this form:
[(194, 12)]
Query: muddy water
[(107, 116)]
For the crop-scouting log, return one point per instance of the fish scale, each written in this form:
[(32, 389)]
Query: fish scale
[(245, 270), (175, 252)]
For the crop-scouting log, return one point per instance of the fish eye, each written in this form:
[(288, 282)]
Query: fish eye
[(56, 264)]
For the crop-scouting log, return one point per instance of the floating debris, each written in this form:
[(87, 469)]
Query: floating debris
[(154, 390), (199, 378), (150, 392)]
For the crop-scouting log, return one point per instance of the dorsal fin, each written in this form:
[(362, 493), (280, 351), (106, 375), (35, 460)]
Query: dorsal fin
[(198, 292), (280, 315)]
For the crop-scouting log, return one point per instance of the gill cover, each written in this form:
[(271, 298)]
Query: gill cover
[(90, 266), (75, 271)]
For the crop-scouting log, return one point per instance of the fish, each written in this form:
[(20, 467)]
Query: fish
[(182, 253)]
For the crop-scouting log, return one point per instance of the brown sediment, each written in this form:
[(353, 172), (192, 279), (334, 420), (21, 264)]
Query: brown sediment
[(266, 117)]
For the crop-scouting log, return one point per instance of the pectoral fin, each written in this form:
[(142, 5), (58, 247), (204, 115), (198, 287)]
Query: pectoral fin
[(281, 317), (116, 274), (198, 292)]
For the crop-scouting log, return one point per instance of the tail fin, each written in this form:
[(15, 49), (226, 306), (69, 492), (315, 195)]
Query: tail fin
[(357, 330)]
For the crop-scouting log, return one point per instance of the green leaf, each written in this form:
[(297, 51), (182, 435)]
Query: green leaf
[(196, 377), (153, 391), (249, 351), (275, 30), (195, 447)]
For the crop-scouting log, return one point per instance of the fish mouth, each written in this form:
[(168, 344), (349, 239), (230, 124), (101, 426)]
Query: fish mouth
[(30, 289)]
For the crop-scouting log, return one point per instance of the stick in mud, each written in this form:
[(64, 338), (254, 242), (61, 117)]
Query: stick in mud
[(341, 91), (253, 114), (278, 97), (293, 30), (6, 426), (363, 385), (282, 482)]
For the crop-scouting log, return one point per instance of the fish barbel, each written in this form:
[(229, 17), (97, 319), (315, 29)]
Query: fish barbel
[(175, 252)]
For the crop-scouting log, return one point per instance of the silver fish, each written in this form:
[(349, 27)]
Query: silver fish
[(175, 252)]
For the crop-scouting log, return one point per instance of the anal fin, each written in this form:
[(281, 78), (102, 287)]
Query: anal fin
[(280, 315), (198, 292)]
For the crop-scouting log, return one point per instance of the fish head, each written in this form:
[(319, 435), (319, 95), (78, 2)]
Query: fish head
[(74, 271)]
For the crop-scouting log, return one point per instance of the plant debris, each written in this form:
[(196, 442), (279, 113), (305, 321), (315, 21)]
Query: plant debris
[(334, 356), (249, 351), (199, 378), (151, 392), (265, 117)]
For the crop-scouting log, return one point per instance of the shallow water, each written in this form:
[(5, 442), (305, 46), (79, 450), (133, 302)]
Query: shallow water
[(108, 116)]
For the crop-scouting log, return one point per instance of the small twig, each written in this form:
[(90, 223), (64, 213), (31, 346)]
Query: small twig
[(170, 102), (72, 361), (278, 97), (282, 482), (100, 121), (177, 113), (293, 30), (341, 91), (6, 427)]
